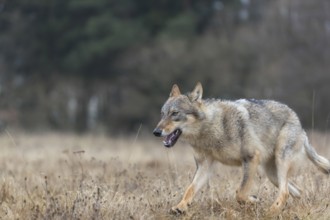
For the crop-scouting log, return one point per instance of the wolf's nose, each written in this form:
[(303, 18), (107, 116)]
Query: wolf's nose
[(157, 132)]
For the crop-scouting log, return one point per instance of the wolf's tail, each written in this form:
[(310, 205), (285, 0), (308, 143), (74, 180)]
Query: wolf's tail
[(322, 163)]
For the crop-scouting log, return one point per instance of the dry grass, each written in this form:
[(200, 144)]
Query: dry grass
[(61, 176)]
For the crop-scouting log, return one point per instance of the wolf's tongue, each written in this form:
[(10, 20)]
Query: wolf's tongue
[(168, 141), (171, 139)]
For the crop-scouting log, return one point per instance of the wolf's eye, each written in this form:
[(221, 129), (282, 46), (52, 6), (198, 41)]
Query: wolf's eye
[(175, 113)]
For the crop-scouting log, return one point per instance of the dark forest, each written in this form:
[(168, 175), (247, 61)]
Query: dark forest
[(107, 65)]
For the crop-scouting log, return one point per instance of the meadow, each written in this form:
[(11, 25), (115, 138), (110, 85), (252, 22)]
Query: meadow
[(94, 176)]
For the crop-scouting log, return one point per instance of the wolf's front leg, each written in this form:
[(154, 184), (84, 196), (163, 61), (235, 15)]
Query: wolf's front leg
[(201, 176)]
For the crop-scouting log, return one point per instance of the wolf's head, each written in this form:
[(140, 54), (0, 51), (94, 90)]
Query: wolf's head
[(179, 115)]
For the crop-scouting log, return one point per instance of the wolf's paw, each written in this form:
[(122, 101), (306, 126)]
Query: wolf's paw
[(274, 210), (253, 199), (278, 205), (179, 209), (247, 200)]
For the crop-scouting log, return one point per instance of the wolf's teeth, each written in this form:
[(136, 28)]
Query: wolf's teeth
[(171, 138)]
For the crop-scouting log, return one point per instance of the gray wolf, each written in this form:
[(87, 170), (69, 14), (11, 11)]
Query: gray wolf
[(247, 133)]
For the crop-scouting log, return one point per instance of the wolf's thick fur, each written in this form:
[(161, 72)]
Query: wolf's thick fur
[(247, 133)]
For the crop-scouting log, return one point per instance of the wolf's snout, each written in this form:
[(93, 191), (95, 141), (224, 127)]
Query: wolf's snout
[(157, 132)]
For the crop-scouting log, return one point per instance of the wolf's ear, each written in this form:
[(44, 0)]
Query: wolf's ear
[(197, 93), (175, 91)]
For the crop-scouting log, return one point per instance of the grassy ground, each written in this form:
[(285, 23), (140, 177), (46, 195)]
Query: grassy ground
[(62, 176)]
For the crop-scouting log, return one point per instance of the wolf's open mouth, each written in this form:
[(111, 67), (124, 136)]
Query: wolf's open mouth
[(172, 138)]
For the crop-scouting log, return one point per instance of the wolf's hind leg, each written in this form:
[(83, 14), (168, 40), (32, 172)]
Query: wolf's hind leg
[(250, 166), (271, 173), (201, 176), (288, 146), (294, 190), (283, 193)]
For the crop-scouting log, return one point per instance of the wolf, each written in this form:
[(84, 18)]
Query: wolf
[(247, 132)]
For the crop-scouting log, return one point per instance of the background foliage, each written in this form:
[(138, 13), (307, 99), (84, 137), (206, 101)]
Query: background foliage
[(87, 65)]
